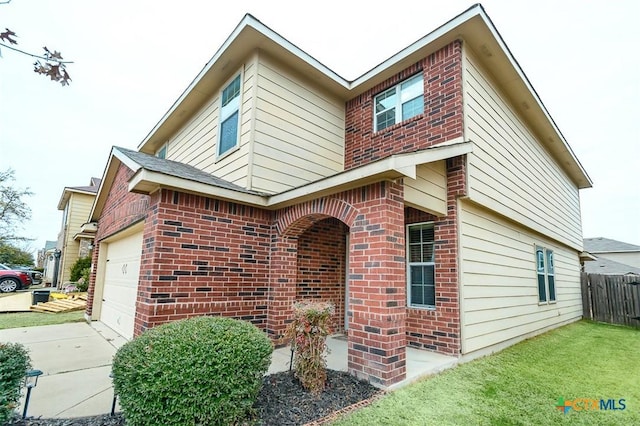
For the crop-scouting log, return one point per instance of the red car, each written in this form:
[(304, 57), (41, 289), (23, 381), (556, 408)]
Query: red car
[(11, 280)]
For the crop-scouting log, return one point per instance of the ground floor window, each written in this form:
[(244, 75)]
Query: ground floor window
[(421, 290), (546, 275)]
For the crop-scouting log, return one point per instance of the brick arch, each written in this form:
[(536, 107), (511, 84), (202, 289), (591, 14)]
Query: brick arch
[(296, 219)]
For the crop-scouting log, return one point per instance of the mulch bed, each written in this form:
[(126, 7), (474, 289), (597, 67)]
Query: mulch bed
[(282, 401)]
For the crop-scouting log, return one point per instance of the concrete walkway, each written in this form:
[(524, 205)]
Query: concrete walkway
[(76, 361)]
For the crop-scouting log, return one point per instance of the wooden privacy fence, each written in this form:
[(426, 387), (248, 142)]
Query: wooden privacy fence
[(611, 298)]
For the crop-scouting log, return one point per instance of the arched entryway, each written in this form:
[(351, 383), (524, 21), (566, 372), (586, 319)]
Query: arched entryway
[(322, 267), (369, 223)]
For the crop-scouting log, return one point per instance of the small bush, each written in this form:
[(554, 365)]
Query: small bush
[(77, 268), (309, 331), (198, 371), (14, 363)]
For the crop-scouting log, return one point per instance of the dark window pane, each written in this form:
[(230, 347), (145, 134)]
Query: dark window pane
[(427, 253), (552, 288), (415, 253), (427, 233), (231, 91), (386, 119), (422, 285), (412, 108), (417, 296), (542, 292), (229, 133)]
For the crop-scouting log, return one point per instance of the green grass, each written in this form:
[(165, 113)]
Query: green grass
[(521, 385), (32, 319)]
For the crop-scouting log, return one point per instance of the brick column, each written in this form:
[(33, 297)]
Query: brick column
[(282, 287), (377, 292)]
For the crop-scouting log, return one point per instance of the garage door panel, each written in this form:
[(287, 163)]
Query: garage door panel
[(121, 284)]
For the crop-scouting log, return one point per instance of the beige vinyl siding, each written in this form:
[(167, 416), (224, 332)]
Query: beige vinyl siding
[(510, 172), (79, 206), (299, 131), (499, 283), (429, 190), (196, 142)]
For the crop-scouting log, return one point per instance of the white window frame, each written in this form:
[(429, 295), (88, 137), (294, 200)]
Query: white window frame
[(397, 91), (227, 111), (545, 275), (409, 264)]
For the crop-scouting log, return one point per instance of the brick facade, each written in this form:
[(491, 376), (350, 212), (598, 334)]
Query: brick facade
[(203, 256), (441, 121)]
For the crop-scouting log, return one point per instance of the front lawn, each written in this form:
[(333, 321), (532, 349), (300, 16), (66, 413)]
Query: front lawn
[(522, 384), (32, 319)]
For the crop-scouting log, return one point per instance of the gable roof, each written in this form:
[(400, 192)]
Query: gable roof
[(606, 266), (90, 189), (140, 160), (607, 245), (473, 26)]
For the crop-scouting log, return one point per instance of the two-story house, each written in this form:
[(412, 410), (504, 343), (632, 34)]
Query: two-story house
[(433, 200), (75, 239)]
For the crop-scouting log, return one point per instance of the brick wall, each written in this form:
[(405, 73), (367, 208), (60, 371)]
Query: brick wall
[(321, 266), (203, 256), (439, 329), (121, 210), (442, 119)]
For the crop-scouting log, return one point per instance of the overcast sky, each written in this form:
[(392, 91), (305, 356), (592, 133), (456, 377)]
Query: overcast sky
[(134, 58)]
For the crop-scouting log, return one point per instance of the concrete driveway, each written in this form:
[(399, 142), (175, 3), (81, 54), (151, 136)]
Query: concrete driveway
[(76, 361)]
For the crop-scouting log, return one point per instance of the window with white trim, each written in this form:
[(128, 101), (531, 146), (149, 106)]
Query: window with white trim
[(421, 290), (399, 103), (546, 275), (229, 117)]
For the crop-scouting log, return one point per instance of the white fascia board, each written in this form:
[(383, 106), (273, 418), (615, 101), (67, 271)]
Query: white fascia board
[(124, 159), (115, 157), (147, 182)]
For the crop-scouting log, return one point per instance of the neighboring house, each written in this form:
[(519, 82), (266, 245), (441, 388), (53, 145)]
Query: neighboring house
[(432, 199), (612, 257), (47, 254), (75, 239)]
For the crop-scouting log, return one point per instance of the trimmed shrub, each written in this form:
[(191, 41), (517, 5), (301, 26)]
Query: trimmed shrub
[(308, 333), (197, 371), (78, 267), (14, 363)]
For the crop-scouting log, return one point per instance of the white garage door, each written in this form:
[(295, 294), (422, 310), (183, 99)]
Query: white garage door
[(121, 284)]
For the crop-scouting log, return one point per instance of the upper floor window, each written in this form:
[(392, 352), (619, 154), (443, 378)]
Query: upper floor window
[(399, 103), (421, 287), (546, 275), (229, 117)]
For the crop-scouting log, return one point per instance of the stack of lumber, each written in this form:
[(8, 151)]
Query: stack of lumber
[(72, 302)]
